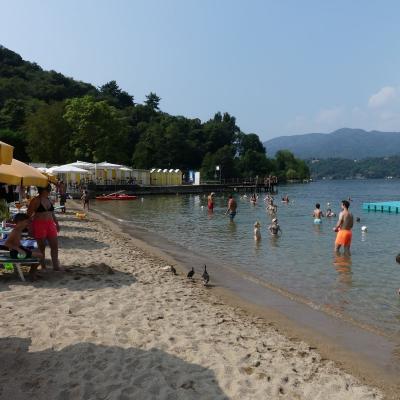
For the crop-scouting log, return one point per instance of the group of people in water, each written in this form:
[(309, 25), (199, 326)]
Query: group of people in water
[(343, 227)]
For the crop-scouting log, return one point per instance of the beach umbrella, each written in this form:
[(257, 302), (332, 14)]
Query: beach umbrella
[(67, 168), (19, 173), (6, 153), (82, 164), (107, 165), (52, 178)]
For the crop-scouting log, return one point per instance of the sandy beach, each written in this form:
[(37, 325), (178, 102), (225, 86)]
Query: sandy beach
[(116, 325)]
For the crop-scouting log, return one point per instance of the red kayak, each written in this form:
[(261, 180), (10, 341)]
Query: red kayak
[(116, 197)]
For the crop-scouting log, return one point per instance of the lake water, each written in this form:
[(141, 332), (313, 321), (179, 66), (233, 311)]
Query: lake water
[(302, 260)]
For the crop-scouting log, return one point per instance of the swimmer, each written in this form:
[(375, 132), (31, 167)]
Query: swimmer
[(232, 206), (257, 231), (253, 198), (330, 213), (343, 229), (210, 202), (274, 228), (285, 199), (318, 214)]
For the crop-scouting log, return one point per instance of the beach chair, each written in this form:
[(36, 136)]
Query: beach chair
[(17, 263)]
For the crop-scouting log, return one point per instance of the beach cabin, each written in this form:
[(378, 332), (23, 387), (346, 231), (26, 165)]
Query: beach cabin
[(177, 177), (141, 177), (171, 177), (164, 176), (154, 177)]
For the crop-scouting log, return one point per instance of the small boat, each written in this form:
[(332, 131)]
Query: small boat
[(116, 196)]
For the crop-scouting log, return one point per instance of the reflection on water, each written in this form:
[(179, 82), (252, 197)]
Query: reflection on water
[(300, 261), (274, 241), (342, 265)]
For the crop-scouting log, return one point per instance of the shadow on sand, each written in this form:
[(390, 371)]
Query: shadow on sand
[(66, 242), (77, 228), (90, 371), (75, 278)]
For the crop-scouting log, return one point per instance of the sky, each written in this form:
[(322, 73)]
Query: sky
[(280, 67)]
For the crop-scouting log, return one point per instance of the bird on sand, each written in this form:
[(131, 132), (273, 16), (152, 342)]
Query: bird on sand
[(173, 270), (190, 274), (205, 276)]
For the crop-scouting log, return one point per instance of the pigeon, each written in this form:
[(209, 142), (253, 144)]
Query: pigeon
[(190, 274), (205, 276), (173, 270)]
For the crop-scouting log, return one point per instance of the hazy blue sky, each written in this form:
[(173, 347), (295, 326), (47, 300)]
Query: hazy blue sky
[(280, 67)]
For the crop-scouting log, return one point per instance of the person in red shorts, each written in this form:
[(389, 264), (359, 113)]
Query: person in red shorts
[(210, 202), (45, 226), (343, 229)]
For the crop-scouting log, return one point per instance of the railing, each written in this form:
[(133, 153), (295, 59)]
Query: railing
[(242, 181)]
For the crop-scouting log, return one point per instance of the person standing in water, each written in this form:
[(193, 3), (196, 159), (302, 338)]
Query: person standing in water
[(210, 202), (274, 228), (232, 206), (343, 229), (317, 214)]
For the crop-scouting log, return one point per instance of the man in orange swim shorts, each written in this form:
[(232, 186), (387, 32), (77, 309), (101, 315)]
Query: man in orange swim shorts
[(343, 229)]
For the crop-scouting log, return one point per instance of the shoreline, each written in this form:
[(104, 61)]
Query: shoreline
[(143, 333), (363, 351)]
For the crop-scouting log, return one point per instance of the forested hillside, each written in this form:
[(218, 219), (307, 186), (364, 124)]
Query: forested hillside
[(339, 168), (343, 143), (51, 118)]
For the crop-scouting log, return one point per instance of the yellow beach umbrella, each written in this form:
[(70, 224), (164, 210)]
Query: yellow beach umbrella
[(6, 153), (18, 173), (51, 178)]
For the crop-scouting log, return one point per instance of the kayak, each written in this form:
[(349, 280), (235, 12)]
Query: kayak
[(116, 197)]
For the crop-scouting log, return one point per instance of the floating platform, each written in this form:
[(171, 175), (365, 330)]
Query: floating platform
[(385, 206)]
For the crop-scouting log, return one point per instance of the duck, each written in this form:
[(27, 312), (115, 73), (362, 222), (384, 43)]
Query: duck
[(190, 274), (205, 276)]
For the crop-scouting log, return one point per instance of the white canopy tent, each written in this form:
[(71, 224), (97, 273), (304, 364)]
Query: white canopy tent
[(106, 169), (82, 164), (65, 169), (69, 172)]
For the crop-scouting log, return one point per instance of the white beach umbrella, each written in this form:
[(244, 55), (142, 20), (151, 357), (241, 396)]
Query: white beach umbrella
[(82, 164), (107, 165), (68, 168)]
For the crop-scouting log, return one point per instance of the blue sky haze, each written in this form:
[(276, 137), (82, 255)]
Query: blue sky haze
[(280, 67)]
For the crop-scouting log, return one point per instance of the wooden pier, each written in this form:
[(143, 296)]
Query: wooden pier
[(241, 187)]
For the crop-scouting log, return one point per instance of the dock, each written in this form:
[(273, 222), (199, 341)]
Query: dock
[(385, 206), (138, 190)]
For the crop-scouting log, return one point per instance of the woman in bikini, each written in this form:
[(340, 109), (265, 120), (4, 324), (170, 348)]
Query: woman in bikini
[(45, 225)]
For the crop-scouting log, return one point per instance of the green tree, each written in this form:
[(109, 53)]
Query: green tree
[(251, 141), (152, 101), (13, 114), (224, 158), (99, 132), (48, 135), (16, 139), (115, 96), (254, 163)]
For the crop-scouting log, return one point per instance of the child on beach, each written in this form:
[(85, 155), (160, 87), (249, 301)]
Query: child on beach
[(13, 242), (85, 199), (257, 231)]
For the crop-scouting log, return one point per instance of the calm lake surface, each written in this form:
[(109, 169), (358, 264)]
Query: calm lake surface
[(301, 261)]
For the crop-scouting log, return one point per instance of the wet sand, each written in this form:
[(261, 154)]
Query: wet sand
[(117, 325)]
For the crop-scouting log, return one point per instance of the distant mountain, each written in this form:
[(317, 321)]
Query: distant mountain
[(343, 143)]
